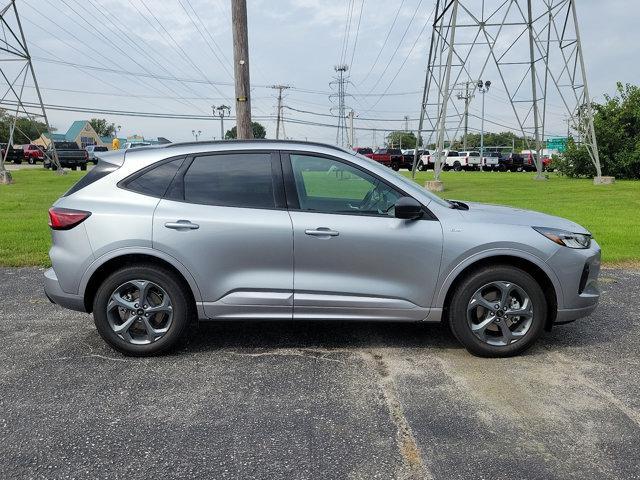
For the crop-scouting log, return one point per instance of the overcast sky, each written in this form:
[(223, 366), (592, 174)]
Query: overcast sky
[(294, 42)]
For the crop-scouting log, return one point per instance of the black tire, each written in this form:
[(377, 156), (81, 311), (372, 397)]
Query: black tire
[(74, 168), (54, 167), (457, 167), (182, 308), (457, 312), (421, 166), (395, 166), (31, 161), (83, 167), (17, 162)]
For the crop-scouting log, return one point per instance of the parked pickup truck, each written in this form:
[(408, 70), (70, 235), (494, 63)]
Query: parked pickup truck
[(408, 156), (491, 161), (32, 153), (69, 155), (391, 157), (514, 162), (470, 160), (15, 155)]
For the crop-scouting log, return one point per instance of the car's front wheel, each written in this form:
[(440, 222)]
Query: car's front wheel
[(142, 310), (498, 311)]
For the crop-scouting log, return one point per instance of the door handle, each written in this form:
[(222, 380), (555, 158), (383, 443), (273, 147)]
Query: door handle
[(322, 232), (182, 225)]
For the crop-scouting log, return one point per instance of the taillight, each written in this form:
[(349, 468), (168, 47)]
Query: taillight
[(66, 218)]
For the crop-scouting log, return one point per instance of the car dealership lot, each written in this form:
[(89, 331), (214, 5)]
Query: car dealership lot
[(317, 400)]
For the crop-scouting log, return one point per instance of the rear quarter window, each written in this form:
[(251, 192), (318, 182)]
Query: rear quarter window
[(154, 180)]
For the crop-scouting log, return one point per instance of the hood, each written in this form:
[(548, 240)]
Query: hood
[(498, 214)]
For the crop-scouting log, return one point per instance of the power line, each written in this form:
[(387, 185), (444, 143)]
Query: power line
[(384, 44), (203, 37), (415, 12), (355, 42)]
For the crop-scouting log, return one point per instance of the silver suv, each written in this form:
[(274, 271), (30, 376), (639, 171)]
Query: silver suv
[(156, 236)]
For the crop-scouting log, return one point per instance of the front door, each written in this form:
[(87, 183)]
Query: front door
[(225, 219), (352, 258)]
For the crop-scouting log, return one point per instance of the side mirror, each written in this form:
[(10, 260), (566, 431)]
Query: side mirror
[(408, 208)]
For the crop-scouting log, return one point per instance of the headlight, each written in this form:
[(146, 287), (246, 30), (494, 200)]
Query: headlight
[(565, 238)]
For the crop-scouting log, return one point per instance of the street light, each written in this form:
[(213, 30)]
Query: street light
[(223, 111), (483, 87), (196, 134)]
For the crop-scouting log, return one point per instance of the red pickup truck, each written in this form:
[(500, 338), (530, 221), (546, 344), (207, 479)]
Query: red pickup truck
[(32, 153), (391, 157)]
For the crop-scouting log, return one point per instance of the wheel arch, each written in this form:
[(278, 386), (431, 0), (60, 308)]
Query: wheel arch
[(109, 263), (533, 266)]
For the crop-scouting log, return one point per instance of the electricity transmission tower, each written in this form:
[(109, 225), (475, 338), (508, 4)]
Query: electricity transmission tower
[(533, 51), (16, 70), (280, 117), (340, 81)]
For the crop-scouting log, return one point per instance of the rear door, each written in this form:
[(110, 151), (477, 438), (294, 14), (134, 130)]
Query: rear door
[(353, 259), (225, 218)]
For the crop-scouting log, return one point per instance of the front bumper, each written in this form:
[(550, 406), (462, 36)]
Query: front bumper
[(55, 294), (580, 295)]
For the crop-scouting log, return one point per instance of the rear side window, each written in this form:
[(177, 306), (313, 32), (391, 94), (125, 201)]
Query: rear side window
[(96, 173), (156, 180), (231, 180)]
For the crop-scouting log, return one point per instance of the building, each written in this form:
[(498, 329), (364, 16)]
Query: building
[(80, 132)]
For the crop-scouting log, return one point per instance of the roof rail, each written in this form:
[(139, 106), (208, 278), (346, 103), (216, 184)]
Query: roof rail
[(257, 140)]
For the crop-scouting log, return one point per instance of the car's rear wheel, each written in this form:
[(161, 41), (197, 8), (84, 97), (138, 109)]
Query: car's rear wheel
[(395, 166), (31, 161), (457, 167), (498, 311), (142, 310), (83, 167), (421, 166)]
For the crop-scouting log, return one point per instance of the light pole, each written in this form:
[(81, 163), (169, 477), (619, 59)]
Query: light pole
[(196, 133), (482, 88), (223, 111)]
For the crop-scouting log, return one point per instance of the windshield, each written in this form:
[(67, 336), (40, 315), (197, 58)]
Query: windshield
[(402, 179)]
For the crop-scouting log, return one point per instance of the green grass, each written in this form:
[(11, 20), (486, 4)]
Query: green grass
[(24, 233), (611, 213)]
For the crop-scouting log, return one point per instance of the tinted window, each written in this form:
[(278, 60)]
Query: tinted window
[(100, 149), (232, 180), (67, 145), (330, 186), (155, 181)]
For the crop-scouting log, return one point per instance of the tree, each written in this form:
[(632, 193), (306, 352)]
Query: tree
[(258, 132), (102, 127), (617, 126), (402, 139), (26, 130)]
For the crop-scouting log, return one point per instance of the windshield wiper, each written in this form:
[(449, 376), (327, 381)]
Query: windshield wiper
[(456, 205)]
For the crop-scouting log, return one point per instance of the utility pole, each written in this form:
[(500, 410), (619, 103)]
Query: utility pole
[(373, 139), (340, 81), (280, 118), (241, 68), (351, 137), (483, 88), (16, 65), (467, 100), (223, 111)]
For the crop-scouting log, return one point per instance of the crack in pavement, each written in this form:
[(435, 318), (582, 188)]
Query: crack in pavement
[(317, 354), (412, 459)]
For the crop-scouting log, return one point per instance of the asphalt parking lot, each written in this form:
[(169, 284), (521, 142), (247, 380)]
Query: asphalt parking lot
[(317, 400)]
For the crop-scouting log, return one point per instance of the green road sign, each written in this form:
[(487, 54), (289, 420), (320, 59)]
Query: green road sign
[(559, 144)]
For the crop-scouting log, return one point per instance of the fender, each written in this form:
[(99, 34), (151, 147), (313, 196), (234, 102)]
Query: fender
[(119, 252), (496, 252)]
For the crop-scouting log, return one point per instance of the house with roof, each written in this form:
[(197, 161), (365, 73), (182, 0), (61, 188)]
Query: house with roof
[(80, 132)]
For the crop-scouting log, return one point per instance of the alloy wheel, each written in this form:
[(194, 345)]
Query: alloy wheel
[(500, 313), (140, 312)]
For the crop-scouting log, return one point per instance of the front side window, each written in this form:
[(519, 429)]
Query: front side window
[(231, 180), (330, 186)]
